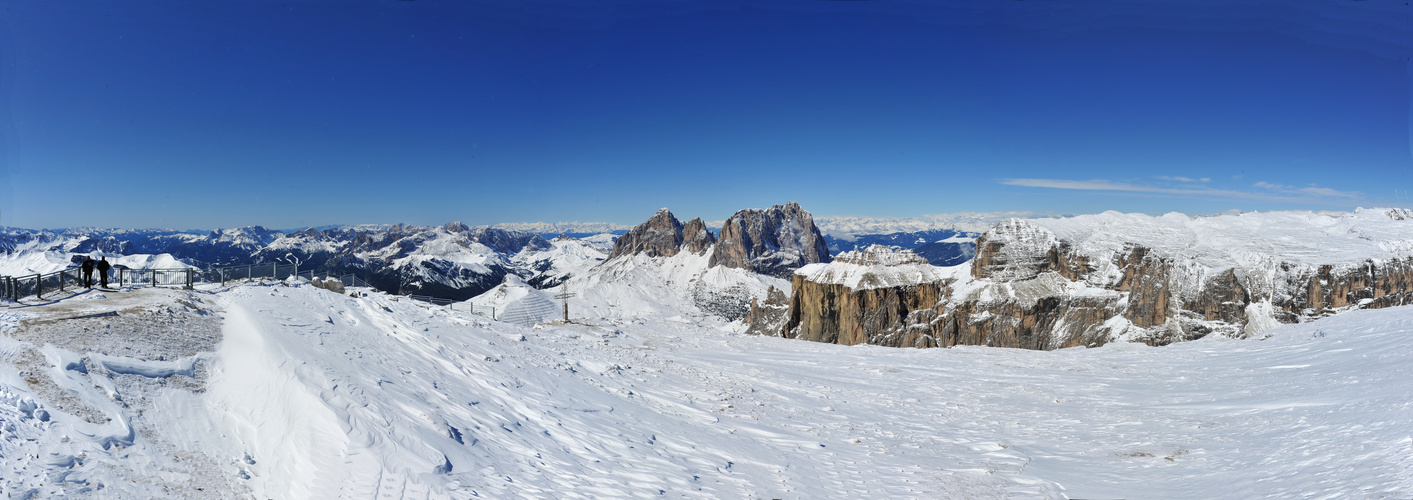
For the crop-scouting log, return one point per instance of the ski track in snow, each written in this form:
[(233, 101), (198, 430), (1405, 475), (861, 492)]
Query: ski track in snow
[(316, 394)]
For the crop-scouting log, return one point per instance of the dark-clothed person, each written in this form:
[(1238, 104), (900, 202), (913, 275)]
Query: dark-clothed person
[(88, 272), (103, 268)]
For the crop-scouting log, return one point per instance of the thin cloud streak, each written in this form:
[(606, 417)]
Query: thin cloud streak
[(1278, 192)]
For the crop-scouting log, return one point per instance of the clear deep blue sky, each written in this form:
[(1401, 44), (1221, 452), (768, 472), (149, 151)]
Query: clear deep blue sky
[(289, 114)]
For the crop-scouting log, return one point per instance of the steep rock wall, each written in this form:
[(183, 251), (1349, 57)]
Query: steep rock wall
[(660, 236), (835, 314), (774, 241)]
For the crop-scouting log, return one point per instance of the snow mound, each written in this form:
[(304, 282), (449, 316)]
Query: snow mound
[(874, 267), (684, 285), (518, 303), (159, 261)]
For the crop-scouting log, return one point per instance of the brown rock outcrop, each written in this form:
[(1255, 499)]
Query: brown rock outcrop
[(660, 236), (864, 296), (1369, 285), (696, 238), (768, 318)]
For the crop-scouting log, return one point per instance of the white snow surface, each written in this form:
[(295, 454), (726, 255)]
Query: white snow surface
[(313, 394), (637, 285), (877, 266), (142, 261), (1247, 239)]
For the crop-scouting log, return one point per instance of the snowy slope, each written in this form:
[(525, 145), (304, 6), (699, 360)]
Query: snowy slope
[(566, 257), (874, 267), (637, 285), (314, 394), (516, 302)]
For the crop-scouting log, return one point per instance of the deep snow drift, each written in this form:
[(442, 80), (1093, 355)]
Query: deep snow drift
[(295, 391)]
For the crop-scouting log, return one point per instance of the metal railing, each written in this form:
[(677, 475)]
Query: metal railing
[(16, 287)]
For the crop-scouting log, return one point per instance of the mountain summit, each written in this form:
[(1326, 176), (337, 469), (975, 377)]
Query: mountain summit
[(773, 241)]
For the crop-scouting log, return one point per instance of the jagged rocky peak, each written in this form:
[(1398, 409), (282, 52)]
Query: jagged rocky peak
[(774, 241), (660, 236), (696, 238), (508, 242), (1013, 250)]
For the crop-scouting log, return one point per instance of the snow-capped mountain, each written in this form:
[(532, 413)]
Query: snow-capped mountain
[(941, 247), (451, 261), (773, 241), (663, 267)]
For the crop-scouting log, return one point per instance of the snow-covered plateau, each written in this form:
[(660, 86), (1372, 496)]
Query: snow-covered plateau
[(285, 390), (1051, 283)]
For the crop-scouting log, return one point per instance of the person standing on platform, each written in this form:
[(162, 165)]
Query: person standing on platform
[(103, 268), (88, 272)]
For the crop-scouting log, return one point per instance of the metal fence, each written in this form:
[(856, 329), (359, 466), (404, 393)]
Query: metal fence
[(37, 285), (15, 287)]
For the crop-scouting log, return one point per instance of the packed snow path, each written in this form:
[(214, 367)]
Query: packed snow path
[(316, 394)]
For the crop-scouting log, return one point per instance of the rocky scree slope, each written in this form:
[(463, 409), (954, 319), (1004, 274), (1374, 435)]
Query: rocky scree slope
[(1087, 280)]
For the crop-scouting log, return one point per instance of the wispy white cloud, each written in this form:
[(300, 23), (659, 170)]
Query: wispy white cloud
[(1183, 179), (1193, 187), (1311, 190)]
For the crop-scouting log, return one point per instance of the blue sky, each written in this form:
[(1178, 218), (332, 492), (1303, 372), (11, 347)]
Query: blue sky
[(218, 113)]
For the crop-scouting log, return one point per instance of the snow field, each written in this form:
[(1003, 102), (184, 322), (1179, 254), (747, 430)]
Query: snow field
[(315, 394), (447, 404)]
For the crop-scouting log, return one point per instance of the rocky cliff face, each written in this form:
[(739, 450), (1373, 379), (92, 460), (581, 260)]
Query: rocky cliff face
[(696, 238), (768, 317), (863, 296), (660, 236), (774, 241), (664, 236), (1031, 288)]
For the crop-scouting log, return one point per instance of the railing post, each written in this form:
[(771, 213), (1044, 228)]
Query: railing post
[(120, 277), (39, 286), (274, 271), (189, 285), (223, 275), (154, 277)]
